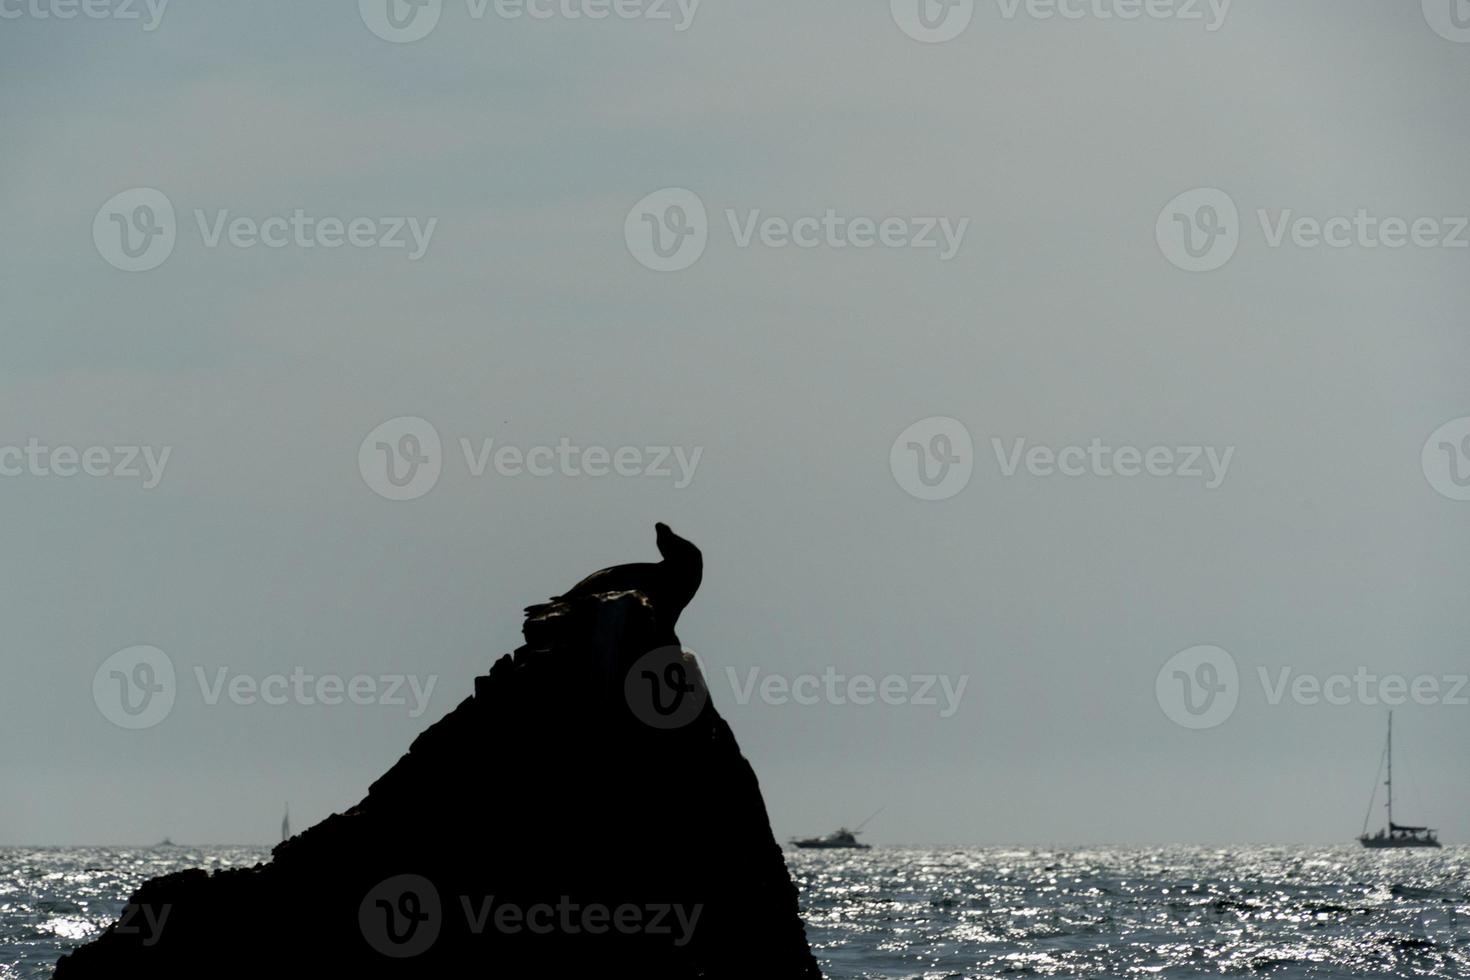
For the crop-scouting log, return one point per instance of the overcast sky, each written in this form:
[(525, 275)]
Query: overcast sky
[(1059, 311)]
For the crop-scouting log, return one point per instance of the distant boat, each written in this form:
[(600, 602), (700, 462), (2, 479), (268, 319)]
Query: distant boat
[(1395, 835), (164, 843), (286, 824), (838, 839)]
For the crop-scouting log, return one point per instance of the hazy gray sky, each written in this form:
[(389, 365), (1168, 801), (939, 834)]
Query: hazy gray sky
[(529, 319)]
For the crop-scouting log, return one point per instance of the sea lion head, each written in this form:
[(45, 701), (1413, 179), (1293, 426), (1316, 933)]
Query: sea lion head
[(675, 548)]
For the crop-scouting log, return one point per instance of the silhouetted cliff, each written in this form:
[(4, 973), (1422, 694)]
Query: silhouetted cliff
[(586, 813)]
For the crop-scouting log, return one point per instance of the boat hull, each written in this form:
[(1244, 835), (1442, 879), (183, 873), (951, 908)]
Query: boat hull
[(1376, 844)]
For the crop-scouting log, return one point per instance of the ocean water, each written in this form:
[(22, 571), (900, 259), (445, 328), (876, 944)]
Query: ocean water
[(932, 913), (1282, 912), (55, 899)]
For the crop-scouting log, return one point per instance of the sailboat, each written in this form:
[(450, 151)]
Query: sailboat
[(286, 824), (1396, 834)]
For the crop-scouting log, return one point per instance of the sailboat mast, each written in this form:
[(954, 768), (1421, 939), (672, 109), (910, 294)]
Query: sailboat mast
[(1390, 771)]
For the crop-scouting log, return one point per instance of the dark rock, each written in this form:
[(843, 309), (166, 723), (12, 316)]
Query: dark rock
[(586, 813)]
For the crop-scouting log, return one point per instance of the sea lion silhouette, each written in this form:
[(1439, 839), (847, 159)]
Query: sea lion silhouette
[(669, 584)]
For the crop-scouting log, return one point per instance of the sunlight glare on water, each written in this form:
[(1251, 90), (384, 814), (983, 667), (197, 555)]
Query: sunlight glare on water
[(949, 913), (1120, 912)]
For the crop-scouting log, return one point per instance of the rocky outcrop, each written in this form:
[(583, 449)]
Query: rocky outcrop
[(586, 812)]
